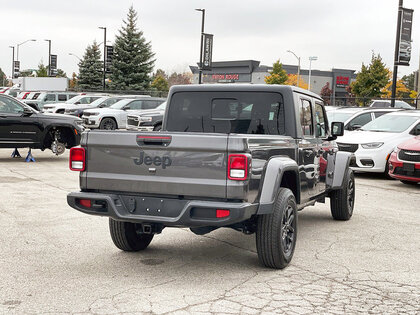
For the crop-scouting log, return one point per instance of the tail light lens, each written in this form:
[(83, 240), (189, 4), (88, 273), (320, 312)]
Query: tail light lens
[(77, 159), (237, 167)]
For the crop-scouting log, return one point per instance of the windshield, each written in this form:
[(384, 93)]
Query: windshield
[(120, 104), (75, 99), (390, 123), (338, 116), (161, 106), (97, 102)]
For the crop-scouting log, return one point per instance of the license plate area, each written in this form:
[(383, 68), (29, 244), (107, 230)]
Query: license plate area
[(408, 167), (152, 206)]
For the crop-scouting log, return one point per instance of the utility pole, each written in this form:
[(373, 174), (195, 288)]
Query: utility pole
[(313, 58), (200, 71), (49, 56), (13, 62), (104, 83), (396, 54)]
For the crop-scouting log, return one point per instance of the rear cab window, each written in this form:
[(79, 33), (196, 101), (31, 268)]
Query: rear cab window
[(227, 112)]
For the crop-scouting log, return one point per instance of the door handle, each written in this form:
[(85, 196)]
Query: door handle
[(3, 116)]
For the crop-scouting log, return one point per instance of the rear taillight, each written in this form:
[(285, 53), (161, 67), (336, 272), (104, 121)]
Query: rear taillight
[(77, 159), (237, 167)]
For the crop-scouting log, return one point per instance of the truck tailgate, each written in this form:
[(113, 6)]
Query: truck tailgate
[(161, 163)]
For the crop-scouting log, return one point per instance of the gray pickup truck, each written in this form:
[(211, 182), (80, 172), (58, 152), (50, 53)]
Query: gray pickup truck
[(247, 157)]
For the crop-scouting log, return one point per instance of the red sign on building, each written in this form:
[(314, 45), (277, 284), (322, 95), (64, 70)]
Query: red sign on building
[(341, 81)]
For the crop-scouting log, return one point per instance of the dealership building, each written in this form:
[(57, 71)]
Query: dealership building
[(250, 71)]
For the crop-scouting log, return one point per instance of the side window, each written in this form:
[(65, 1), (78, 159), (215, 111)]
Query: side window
[(50, 98), (9, 106), (35, 96), (62, 97), (416, 130), (320, 121), (378, 114), (360, 121), (85, 100), (150, 104), (136, 105), (306, 118)]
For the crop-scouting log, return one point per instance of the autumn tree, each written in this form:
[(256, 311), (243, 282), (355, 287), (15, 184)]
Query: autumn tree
[(278, 75), (73, 81), (160, 84), (3, 78), (401, 92), (159, 72), (371, 79), (326, 93), (179, 78), (292, 79)]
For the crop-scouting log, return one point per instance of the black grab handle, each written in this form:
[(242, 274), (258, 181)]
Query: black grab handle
[(153, 140)]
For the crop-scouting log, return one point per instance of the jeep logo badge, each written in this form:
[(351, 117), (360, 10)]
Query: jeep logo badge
[(163, 161)]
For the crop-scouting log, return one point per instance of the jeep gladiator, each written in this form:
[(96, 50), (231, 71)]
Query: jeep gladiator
[(247, 157)]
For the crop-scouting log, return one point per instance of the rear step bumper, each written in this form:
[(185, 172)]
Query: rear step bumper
[(167, 211)]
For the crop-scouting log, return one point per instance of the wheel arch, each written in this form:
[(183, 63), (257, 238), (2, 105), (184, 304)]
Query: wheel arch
[(279, 172), (68, 131), (111, 117)]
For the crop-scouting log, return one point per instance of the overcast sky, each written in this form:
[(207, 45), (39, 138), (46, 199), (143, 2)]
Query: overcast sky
[(341, 33)]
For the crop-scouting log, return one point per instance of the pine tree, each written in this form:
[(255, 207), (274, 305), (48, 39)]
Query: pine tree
[(278, 75), (133, 60), (91, 68), (42, 70), (371, 79)]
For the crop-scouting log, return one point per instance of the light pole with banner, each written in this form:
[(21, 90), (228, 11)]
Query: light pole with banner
[(49, 56), (13, 61), (104, 28), (312, 58), (402, 53), (200, 71)]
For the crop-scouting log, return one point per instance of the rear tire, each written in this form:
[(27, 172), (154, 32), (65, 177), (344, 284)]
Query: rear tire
[(277, 232), (126, 237), (342, 200), (108, 124)]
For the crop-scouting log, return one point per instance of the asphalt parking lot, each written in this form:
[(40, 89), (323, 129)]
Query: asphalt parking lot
[(57, 260)]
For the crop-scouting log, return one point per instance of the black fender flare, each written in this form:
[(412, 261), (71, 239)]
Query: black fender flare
[(338, 163), (273, 176)]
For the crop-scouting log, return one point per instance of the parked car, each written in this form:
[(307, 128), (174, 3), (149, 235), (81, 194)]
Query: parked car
[(99, 103), (356, 117), (147, 120), (374, 142), (22, 95), (59, 108), (23, 127), (115, 116), (387, 103), (404, 162), (41, 99), (215, 165)]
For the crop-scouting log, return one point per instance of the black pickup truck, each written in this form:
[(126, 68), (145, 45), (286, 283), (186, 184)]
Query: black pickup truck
[(247, 157), (23, 127)]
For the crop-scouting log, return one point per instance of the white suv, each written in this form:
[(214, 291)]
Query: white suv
[(59, 108), (115, 116)]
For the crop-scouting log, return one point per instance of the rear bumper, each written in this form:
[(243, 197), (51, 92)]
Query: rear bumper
[(166, 211)]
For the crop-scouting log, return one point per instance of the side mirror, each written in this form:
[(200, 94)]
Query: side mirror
[(27, 112), (337, 129), (355, 127)]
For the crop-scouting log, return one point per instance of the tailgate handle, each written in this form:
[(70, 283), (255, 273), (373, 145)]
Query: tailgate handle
[(153, 140)]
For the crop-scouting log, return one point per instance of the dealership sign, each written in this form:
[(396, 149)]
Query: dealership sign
[(342, 81), (53, 65), (404, 50), (109, 57)]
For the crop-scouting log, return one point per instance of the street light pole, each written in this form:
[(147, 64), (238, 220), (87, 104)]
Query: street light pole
[(13, 61), (200, 71), (396, 53), (49, 56), (104, 28), (17, 46), (298, 71), (313, 58)]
